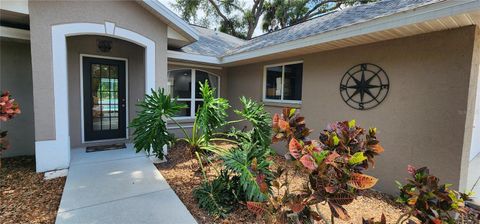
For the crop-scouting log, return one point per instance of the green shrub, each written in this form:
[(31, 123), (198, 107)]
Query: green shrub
[(251, 164), (209, 117), (334, 165), (218, 197), (429, 201), (150, 123), (260, 120)]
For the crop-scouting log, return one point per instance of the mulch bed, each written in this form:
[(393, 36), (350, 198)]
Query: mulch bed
[(25, 197), (180, 172)]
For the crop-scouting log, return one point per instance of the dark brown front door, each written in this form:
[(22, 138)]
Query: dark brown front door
[(104, 99)]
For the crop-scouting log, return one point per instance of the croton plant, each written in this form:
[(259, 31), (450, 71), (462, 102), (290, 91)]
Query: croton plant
[(8, 110), (429, 201), (334, 163)]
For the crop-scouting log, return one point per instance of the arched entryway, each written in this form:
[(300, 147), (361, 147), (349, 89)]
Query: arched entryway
[(55, 154)]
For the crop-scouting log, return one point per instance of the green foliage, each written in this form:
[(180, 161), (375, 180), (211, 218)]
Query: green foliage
[(209, 117), (218, 197), (150, 125), (429, 201), (282, 13), (334, 165), (239, 19), (213, 113), (260, 119), (249, 161), (233, 17)]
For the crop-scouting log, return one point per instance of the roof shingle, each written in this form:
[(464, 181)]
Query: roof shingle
[(213, 43)]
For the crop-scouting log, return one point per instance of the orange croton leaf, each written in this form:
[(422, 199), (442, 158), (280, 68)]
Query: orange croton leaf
[(377, 148), (309, 162), (295, 148), (332, 157), (342, 198), (253, 165), (283, 125), (362, 181), (255, 207), (338, 211), (296, 206), (331, 189), (275, 120)]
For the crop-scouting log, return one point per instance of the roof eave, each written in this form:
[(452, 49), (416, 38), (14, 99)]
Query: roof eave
[(171, 19), (417, 15)]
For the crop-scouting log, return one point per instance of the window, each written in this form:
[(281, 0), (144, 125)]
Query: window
[(283, 83), (188, 92)]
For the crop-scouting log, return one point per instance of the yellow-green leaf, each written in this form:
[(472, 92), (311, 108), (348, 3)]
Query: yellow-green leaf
[(357, 158), (292, 112), (351, 124), (336, 140)]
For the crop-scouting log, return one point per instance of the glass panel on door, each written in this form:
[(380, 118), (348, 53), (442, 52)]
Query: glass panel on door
[(105, 97)]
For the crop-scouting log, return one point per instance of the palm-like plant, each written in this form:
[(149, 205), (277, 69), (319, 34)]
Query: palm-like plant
[(260, 120), (250, 162), (210, 116), (150, 124)]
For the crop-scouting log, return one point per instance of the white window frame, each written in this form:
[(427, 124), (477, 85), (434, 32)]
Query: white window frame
[(281, 100), (192, 98)]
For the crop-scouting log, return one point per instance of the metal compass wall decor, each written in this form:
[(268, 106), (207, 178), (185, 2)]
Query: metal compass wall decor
[(364, 86)]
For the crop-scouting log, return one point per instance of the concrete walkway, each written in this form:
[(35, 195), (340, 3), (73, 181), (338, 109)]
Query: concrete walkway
[(118, 186)]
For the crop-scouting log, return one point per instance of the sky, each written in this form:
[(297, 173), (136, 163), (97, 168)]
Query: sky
[(167, 3)]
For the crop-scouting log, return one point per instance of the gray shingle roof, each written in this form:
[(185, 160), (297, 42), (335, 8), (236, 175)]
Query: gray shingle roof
[(218, 44), (212, 43)]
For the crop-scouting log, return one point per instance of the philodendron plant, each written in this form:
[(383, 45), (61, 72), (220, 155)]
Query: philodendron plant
[(151, 122), (335, 164)]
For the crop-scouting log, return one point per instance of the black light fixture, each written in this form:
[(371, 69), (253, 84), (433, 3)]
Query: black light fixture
[(104, 45)]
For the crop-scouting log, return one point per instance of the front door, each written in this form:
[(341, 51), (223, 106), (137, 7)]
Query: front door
[(104, 99)]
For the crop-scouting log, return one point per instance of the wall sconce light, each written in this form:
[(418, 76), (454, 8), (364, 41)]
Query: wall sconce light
[(104, 45)]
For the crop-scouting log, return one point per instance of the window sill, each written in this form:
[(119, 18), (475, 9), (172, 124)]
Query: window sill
[(283, 104), (181, 120)]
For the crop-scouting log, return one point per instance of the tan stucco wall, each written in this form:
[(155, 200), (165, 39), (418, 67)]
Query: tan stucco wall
[(120, 49), (43, 14), (422, 120), (16, 76)]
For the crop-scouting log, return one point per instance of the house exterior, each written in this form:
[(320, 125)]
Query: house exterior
[(409, 68)]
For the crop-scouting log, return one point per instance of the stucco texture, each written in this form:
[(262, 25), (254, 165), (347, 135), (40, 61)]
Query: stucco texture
[(422, 120), (16, 77), (43, 14)]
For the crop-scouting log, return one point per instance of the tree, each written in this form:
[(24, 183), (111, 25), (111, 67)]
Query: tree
[(237, 18), (282, 13), (234, 17)]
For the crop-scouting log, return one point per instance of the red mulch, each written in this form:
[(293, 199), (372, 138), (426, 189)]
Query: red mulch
[(25, 197)]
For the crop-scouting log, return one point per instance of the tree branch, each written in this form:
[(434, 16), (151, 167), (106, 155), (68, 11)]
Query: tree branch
[(312, 12), (217, 9), (228, 22), (257, 11)]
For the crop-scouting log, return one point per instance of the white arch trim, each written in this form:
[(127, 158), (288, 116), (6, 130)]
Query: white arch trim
[(55, 154)]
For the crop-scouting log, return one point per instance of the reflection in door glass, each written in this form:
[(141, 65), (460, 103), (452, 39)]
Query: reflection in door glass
[(104, 97)]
